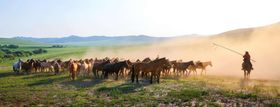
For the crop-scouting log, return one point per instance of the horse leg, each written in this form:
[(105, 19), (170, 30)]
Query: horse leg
[(137, 75), (132, 77), (151, 81), (249, 74), (245, 74), (117, 75), (189, 72), (94, 73), (158, 77)]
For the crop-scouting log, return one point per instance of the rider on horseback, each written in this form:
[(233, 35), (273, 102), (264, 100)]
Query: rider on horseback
[(247, 60)]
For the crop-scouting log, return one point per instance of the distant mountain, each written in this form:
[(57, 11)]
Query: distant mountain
[(97, 40)]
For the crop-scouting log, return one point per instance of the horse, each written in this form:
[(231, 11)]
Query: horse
[(154, 67), (98, 66), (182, 67), (56, 66), (65, 65), (62, 65), (73, 69), (90, 65), (166, 69), (37, 66), (203, 65), (147, 60), (125, 70), (174, 65), (27, 66), (192, 68), (111, 68), (17, 66), (84, 68), (247, 67), (46, 66)]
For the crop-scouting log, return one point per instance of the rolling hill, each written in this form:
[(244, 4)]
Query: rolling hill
[(17, 41), (97, 40)]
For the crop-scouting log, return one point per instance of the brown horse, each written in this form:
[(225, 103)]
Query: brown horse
[(182, 67), (154, 67), (57, 67), (98, 66), (27, 66), (116, 67), (247, 67), (192, 68), (147, 60), (73, 69), (37, 66), (203, 65), (174, 65)]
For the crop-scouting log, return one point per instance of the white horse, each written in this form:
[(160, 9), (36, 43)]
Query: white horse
[(17, 66)]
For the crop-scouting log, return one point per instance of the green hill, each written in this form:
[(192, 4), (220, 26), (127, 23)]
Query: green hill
[(18, 41)]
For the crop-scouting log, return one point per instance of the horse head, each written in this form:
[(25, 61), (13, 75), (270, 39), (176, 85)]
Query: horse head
[(192, 63), (210, 63)]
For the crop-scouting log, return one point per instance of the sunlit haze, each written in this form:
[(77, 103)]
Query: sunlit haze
[(57, 18)]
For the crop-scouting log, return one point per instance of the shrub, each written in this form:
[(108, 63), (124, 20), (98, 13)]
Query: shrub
[(39, 51), (7, 51), (9, 46), (9, 56)]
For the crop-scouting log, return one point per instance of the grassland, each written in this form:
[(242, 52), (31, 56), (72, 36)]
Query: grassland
[(17, 41), (62, 53), (47, 89)]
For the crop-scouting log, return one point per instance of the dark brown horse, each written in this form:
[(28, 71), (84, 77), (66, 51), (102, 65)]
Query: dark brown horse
[(116, 67), (247, 67), (154, 68), (98, 67), (182, 67), (147, 60), (28, 66)]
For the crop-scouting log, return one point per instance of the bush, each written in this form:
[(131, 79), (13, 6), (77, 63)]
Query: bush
[(13, 46), (9, 56), (57, 46), (39, 51), (18, 53), (2, 54), (9, 46), (6, 51), (27, 53)]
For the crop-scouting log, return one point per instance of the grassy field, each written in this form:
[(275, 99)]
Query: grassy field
[(17, 41), (46, 89), (62, 53)]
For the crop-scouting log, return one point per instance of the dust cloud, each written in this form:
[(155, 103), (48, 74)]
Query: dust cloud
[(263, 44)]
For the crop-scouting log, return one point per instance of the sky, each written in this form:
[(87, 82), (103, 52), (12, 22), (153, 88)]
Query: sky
[(58, 18)]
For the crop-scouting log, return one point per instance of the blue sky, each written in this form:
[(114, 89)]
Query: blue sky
[(57, 18)]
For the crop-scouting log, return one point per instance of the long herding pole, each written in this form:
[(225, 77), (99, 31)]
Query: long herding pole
[(231, 50)]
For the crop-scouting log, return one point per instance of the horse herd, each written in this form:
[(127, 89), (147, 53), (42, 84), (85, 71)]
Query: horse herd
[(102, 68)]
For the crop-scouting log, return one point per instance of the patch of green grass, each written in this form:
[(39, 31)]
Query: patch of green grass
[(274, 104), (187, 94)]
